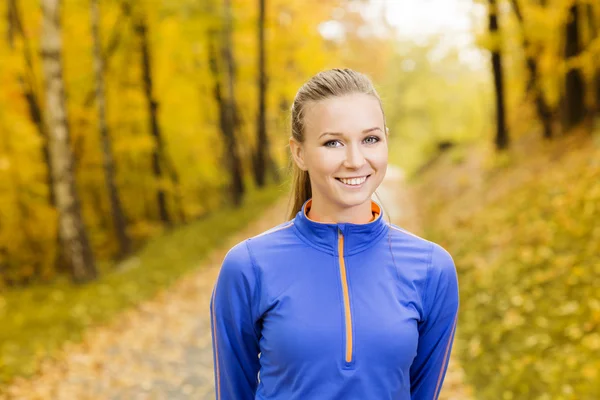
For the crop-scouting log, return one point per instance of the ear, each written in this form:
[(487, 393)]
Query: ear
[(297, 153)]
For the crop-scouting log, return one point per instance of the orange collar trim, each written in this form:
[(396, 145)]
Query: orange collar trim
[(375, 210)]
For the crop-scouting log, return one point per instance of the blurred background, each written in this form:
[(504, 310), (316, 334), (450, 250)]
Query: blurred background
[(139, 137)]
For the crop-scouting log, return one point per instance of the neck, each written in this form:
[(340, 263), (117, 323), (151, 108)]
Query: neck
[(320, 211)]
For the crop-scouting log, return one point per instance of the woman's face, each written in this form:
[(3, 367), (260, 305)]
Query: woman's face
[(345, 149)]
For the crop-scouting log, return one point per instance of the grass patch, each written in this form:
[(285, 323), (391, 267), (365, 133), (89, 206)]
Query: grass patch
[(37, 320)]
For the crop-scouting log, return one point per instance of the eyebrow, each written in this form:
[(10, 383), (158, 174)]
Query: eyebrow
[(376, 128)]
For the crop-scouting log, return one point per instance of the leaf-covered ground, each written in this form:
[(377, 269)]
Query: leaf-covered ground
[(158, 350), (39, 319), (526, 232), (162, 349)]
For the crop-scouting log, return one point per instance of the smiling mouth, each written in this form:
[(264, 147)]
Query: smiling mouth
[(354, 182)]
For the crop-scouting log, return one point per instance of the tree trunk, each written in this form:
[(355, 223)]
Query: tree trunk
[(262, 158), (533, 85), (574, 101), (142, 31), (118, 217), (594, 32), (71, 226), (111, 49), (231, 115), (502, 139), (30, 92), (224, 124)]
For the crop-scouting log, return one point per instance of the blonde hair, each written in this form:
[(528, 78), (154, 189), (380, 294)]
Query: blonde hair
[(326, 84)]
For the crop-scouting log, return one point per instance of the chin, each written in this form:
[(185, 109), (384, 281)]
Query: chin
[(356, 199)]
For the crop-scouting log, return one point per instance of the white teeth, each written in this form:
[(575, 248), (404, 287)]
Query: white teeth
[(354, 181)]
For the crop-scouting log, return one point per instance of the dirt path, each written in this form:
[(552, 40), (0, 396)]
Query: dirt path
[(162, 349)]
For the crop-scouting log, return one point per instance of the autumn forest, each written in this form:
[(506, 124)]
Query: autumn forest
[(130, 129)]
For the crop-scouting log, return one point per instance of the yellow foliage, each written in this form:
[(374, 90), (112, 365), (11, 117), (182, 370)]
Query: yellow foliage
[(188, 114), (538, 310)]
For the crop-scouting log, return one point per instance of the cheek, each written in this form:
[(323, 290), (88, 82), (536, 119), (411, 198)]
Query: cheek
[(379, 158), (324, 162)]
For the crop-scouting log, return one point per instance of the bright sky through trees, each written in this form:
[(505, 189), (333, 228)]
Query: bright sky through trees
[(417, 18), (451, 23)]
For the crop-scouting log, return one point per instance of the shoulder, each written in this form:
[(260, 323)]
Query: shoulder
[(241, 263), (237, 261), (441, 264), (241, 257), (434, 250), (442, 274), (274, 230), (410, 245), (442, 294), (403, 234), (273, 237), (437, 260), (441, 259), (241, 252)]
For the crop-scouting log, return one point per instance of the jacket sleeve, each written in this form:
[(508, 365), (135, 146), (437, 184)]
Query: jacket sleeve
[(436, 331), (234, 329)]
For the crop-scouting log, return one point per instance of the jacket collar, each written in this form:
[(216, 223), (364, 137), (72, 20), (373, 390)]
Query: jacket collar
[(324, 236)]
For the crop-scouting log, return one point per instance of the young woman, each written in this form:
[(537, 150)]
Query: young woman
[(334, 303)]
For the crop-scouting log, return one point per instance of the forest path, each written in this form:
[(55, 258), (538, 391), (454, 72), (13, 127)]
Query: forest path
[(162, 349)]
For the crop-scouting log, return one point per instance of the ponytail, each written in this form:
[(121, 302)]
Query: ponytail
[(301, 190)]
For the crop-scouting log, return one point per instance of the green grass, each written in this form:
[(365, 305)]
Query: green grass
[(529, 269), (37, 320)]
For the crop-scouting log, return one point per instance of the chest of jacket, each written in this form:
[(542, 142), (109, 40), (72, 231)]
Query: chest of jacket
[(347, 311)]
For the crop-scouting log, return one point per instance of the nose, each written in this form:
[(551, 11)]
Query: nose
[(354, 157)]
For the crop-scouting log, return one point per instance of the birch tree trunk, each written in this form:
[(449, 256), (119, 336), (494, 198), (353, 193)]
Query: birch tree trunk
[(72, 231), (118, 217)]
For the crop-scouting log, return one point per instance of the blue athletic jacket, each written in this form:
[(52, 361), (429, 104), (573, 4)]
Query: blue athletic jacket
[(311, 310)]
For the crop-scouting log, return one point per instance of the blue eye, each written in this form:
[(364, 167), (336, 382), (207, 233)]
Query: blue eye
[(331, 143), (372, 139), (337, 143)]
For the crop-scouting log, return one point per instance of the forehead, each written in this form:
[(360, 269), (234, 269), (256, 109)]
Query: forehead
[(349, 114)]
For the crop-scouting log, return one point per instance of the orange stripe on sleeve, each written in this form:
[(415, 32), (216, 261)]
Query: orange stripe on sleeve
[(217, 372), (445, 356)]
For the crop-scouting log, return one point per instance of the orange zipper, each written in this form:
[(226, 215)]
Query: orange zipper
[(344, 280)]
